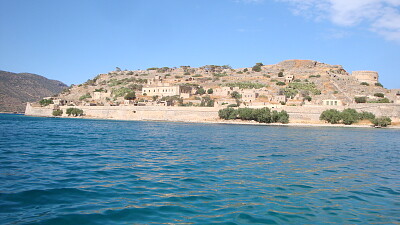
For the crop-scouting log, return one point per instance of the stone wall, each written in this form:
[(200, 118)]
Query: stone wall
[(366, 76), (307, 113)]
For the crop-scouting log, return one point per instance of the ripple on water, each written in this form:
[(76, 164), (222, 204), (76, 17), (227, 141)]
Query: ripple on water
[(119, 172)]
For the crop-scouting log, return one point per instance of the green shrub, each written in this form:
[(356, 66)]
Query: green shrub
[(197, 75), (280, 74), (207, 102), (227, 113), (263, 115), (130, 96), (232, 105), (380, 95), (121, 91), (331, 116), (74, 112), (200, 91), (308, 98), (45, 102), (236, 95), (257, 67), (366, 116), (360, 99), (85, 96), (382, 121), (349, 116), (383, 100), (280, 83), (364, 83), (245, 85), (210, 91), (283, 117), (57, 112), (378, 85), (246, 114)]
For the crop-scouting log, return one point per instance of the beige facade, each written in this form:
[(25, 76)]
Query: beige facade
[(248, 95), (101, 95), (161, 90), (366, 76), (334, 102), (289, 78)]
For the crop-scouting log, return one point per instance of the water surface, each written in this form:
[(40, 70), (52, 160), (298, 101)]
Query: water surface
[(73, 171)]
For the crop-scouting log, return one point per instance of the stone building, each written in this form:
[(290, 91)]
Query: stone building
[(366, 76), (164, 90), (289, 78), (334, 102), (97, 95)]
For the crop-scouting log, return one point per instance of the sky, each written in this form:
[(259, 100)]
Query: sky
[(75, 40)]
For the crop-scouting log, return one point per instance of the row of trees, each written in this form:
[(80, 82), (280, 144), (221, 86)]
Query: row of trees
[(70, 111), (263, 115), (350, 116)]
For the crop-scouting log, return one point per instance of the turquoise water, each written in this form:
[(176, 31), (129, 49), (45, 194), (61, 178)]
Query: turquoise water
[(72, 171)]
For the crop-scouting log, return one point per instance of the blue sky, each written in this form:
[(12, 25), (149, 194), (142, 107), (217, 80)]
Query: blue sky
[(73, 41)]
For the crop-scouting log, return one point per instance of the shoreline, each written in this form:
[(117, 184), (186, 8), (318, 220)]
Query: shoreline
[(233, 122)]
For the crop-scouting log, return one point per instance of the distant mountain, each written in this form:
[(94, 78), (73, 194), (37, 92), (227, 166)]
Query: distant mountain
[(18, 88)]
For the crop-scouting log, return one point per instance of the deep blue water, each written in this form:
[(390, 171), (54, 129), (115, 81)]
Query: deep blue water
[(73, 171)]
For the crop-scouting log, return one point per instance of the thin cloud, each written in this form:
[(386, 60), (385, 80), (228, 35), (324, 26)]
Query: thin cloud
[(380, 16)]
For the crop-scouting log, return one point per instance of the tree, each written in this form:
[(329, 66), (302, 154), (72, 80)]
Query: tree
[(227, 113), (308, 98), (382, 121), (236, 95), (360, 99), (257, 67), (154, 97), (283, 117), (210, 91), (331, 116), (246, 114), (130, 96), (349, 116), (46, 102), (74, 112), (366, 116), (263, 115), (280, 74), (200, 91), (57, 112)]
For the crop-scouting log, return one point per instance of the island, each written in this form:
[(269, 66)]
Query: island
[(292, 91)]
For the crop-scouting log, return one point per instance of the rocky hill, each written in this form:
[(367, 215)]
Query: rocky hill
[(290, 82), (18, 88)]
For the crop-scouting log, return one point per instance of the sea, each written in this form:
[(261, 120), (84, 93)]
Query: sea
[(81, 171)]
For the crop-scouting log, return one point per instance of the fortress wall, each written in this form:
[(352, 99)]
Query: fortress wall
[(366, 76), (38, 111), (203, 114), (149, 113)]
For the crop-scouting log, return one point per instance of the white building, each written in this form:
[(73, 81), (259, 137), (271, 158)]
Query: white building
[(164, 90)]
